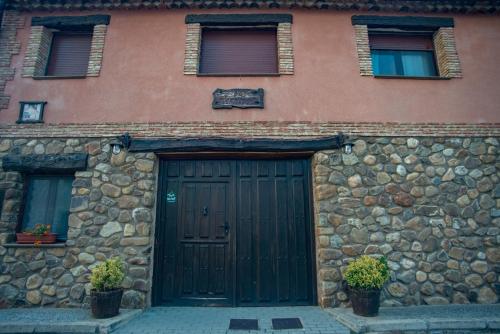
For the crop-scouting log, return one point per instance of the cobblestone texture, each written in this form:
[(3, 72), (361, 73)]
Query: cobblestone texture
[(110, 215), (430, 205), (196, 320)]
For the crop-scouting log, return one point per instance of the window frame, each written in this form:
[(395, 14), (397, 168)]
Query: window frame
[(21, 109), (40, 44), (443, 37), (196, 22), (24, 202), (49, 57), (3, 191), (398, 60), (237, 28)]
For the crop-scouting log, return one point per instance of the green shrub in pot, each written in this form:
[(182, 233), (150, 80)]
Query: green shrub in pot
[(365, 277), (106, 290)]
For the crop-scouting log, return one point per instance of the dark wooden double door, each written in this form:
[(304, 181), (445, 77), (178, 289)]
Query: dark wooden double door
[(234, 232)]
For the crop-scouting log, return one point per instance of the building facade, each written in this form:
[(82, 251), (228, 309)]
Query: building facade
[(242, 153)]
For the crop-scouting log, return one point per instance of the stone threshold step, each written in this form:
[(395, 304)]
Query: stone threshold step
[(60, 321), (432, 319)]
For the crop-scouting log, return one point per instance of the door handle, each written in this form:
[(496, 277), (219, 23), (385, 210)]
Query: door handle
[(226, 227), (204, 211)]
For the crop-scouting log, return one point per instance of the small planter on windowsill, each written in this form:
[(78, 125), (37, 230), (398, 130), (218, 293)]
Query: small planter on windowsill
[(29, 238), (39, 235)]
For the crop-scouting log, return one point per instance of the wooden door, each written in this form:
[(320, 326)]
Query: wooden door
[(193, 244), (234, 232), (274, 241)]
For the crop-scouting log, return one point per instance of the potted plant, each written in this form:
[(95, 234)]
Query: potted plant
[(365, 277), (106, 290), (39, 235)]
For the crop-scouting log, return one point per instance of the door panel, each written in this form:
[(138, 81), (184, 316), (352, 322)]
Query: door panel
[(202, 241), (234, 232), (274, 239)]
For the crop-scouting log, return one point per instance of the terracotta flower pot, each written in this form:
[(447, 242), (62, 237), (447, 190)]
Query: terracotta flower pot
[(365, 302), (105, 304), (28, 238)]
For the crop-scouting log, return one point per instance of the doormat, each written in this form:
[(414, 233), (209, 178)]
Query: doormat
[(287, 323), (244, 324)]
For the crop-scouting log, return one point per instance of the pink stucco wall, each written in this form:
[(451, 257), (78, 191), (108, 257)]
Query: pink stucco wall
[(142, 78)]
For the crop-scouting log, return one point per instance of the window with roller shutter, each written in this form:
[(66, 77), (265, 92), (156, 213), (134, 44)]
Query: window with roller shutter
[(62, 47), (69, 54), (239, 52)]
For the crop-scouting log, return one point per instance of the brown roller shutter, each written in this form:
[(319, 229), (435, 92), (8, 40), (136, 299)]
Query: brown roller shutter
[(69, 54), (232, 51), (401, 42)]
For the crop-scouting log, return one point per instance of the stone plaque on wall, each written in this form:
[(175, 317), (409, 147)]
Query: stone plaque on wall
[(238, 98)]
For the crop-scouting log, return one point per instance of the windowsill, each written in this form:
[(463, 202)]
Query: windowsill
[(28, 122), (408, 77), (58, 244), (56, 77), (238, 75)]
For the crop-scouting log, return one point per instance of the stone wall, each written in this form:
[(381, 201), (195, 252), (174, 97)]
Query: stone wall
[(430, 205), (111, 215)]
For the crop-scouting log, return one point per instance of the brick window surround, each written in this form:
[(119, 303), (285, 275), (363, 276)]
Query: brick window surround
[(40, 39), (195, 24), (446, 55)]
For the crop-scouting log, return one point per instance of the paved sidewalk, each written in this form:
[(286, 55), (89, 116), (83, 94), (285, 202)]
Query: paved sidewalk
[(435, 319), (59, 320), (215, 320)]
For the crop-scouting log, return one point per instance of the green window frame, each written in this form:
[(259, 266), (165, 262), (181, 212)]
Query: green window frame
[(47, 201)]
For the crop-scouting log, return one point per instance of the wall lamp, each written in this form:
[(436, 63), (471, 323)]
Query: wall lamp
[(120, 143), (345, 142)]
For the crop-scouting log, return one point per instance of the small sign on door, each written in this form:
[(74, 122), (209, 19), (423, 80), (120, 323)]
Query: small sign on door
[(171, 197)]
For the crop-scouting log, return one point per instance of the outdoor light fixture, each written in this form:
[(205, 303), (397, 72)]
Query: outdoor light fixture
[(120, 142), (348, 147), (346, 143)]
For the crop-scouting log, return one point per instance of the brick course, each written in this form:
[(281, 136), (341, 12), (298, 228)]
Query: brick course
[(97, 50), (285, 48), (10, 46), (248, 129), (446, 53), (192, 49), (363, 48), (37, 52)]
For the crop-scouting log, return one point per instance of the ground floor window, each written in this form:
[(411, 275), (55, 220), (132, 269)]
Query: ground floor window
[(47, 202)]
